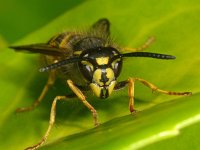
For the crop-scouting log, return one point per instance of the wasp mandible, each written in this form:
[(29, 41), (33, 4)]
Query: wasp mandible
[(88, 60)]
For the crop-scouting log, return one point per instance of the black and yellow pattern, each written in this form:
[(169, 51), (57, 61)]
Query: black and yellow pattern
[(88, 61)]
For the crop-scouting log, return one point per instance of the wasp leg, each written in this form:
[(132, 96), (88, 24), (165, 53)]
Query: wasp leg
[(80, 95), (131, 86), (130, 83), (154, 88), (51, 123), (120, 85), (148, 42), (151, 86), (49, 83)]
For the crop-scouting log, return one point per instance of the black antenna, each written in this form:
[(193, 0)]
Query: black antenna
[(148, 54), (59, 64)]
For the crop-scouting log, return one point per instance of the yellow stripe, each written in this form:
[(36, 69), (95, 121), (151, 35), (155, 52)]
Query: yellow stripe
[(52, 41), (77, 52), (65, 40)]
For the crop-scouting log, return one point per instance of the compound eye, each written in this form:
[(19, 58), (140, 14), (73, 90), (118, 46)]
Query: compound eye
[(116, 66), (88, 66), (87, 69)]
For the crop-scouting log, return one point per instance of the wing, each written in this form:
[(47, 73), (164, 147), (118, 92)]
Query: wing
[(102, 26), (41, 48)]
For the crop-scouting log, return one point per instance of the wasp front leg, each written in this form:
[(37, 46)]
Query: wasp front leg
[(131, 83), (155, 88), (49, 83), (80, 95)]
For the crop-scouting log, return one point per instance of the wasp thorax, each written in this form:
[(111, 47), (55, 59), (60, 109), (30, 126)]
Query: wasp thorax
[(101, 67)]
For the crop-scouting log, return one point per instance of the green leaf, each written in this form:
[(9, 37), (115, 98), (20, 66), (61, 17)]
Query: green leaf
[(161, 118), (135, 131)]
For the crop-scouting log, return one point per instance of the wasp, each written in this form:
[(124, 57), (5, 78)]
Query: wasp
[(88, 61)]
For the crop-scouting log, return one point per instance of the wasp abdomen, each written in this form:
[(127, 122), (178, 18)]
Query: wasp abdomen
[(65, 40)]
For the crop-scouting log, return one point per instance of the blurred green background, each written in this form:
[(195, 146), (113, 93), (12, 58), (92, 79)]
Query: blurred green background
[(26, 16), (164, 122)]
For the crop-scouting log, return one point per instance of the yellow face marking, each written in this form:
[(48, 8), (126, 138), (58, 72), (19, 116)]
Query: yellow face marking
[(96, 89), (97, 77), (110, 75), (111, 87), (103, 81), (102, 60)]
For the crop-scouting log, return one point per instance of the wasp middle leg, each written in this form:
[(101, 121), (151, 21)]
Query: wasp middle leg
[(49, 83)]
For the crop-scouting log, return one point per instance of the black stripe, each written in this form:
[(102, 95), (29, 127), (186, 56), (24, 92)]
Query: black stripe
[(148, 54)]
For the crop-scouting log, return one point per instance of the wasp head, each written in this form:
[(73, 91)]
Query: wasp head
[(101, 67)]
